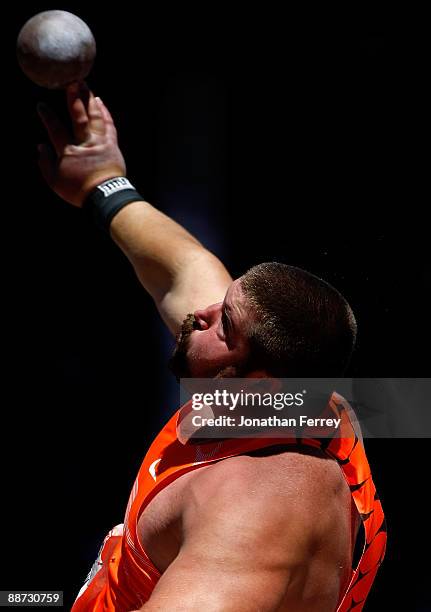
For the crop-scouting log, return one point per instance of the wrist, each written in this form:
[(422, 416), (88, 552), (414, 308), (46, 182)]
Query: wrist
[(97, 179), (107, 198)]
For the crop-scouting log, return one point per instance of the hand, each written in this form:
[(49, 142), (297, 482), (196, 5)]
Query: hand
[(75, 164)]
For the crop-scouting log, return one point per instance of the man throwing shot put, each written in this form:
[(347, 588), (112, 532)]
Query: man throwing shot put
[(224, 525)]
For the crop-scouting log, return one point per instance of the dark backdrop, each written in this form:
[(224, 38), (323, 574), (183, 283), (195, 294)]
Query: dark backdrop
[(271, 138)]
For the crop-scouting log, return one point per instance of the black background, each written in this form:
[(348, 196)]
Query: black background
[(273, 138)]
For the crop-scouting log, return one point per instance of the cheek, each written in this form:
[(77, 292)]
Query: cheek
[(206, 345)]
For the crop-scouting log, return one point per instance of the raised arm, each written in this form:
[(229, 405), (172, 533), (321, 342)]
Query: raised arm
[(173, 266)]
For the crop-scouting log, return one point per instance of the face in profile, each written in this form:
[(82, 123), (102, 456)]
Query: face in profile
[(212, 342)]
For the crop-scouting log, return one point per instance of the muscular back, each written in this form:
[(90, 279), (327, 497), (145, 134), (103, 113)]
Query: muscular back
[(279, 525)]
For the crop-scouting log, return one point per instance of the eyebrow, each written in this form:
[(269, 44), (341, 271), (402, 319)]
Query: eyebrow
[(230, 325)]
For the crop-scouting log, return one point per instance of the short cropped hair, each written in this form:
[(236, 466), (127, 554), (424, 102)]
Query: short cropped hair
[(301, 326)]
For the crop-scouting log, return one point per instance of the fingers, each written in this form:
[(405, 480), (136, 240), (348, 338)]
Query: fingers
[(85, 112), (111, 132), (97, 122), (57, 132), (77, 101), (89, 117)]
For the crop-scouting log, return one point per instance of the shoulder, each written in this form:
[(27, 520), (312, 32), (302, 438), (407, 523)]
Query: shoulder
[(274, 470), (262, 531), (281, 493)]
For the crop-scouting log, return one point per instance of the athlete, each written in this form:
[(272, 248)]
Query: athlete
[(244, 525)]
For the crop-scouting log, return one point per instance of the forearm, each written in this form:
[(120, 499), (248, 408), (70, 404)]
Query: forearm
[(154, 243)]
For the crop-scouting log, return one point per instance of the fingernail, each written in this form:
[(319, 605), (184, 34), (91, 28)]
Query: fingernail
[(98, 100)]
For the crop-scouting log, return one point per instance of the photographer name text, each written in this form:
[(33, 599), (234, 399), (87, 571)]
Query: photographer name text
[(271, 421)]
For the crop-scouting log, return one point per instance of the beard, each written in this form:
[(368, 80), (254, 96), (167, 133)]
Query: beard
[(179, 363)]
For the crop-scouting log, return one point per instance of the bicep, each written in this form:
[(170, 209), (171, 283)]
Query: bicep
[(201, 280)]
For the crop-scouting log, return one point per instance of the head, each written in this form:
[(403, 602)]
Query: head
[(276, 319)]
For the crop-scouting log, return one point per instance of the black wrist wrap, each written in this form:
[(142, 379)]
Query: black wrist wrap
[(110, 197)]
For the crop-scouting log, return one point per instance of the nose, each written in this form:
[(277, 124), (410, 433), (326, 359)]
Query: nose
[(206, 316)]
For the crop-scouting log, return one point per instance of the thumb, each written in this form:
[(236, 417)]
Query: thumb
[(47, 163)]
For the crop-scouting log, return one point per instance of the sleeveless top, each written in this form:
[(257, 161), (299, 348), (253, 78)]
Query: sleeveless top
[(123, 577)]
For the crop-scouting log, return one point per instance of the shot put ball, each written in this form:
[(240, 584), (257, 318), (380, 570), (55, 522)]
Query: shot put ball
[(55, 48)]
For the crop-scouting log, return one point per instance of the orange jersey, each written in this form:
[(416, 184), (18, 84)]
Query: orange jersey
[(123, 577)]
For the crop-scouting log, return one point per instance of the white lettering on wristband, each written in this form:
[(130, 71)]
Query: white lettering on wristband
[(114, 185)]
